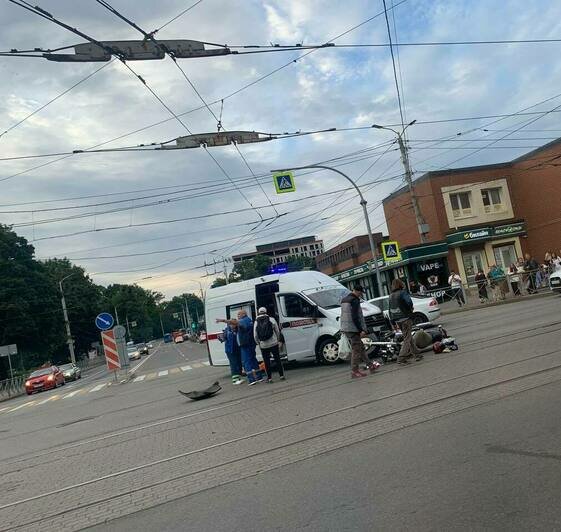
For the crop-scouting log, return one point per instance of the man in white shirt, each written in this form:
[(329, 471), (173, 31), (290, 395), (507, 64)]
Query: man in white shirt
[(455, 281)]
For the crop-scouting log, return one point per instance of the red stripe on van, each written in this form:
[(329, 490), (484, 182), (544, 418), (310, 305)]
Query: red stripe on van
[(213, 336)]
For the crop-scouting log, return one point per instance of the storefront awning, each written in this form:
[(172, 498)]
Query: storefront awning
[(485, 233)]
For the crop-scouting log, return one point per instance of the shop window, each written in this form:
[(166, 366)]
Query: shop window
[(461, 204), (473, 262), (492, 200), (505, 255)]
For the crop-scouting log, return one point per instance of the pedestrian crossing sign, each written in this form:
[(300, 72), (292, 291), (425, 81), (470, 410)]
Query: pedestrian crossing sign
[(391, 252), (284, 182)]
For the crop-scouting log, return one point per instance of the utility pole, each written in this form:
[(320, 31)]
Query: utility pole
[(188, 313), (116, 315), (162, 325), (421, 225), (363, 204), (69, 340), (128, 326), (225, 269)]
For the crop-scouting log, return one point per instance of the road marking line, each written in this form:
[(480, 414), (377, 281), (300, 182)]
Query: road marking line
[(46, 400), (207, 363), (98, 387), (186, 368), (163, 373), (151, 376), (21, 406), (55, 397), (5, 408), (72, 394), (174, 371), (197, 365), (139, 378)]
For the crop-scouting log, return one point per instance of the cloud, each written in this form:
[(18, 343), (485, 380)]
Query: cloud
[(333, 87)]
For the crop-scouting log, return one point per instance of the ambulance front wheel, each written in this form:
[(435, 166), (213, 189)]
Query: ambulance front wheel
[(328, 351)]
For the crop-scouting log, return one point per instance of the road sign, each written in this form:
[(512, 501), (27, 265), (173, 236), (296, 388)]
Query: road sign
[(7, 350), (120, 332), (110, 350), (391, 252), (133, 323), (104, 321), (284, 182)]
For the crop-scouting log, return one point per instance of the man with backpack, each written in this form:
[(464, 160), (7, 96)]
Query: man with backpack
[(268, 337)]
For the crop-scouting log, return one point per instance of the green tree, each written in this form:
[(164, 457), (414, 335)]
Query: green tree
[(83, 301), (136, 305), (30, 310), (296, 264), (251, 268), (219, 281)]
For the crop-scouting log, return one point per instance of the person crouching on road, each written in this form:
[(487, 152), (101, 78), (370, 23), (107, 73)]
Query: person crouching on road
[(354, 328), (232, 350), (247, 347), (401, 312), (267, 336)]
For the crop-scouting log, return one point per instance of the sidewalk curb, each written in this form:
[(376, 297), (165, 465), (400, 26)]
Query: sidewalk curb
[(498, 303)]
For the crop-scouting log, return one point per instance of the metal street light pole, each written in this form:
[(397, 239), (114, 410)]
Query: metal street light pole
[(69, 340), (421, 226), (363, 203)]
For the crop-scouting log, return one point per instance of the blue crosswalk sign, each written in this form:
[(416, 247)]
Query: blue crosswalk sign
[(284, 182)]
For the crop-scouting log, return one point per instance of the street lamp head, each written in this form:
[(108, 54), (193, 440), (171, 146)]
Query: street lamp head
[(376, 126), (412, 122)]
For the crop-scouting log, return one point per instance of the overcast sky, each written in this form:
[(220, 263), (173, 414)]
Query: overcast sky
[(338, 87)]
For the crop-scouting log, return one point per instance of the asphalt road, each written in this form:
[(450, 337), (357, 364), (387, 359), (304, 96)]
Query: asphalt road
[(460, 441)]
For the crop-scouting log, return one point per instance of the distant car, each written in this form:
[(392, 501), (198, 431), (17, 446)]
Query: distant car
[(150, 345), (425, 308), (555, 281), (133, 352), (143, 348), (167, 338), (71, 372), (178, 339), (44, 379)]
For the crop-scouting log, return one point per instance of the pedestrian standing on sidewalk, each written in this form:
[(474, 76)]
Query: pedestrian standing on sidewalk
[(531, 267), (401, 313), (354, 328), (481, 282), (455, 281), (268, 337), (233, 352), (514, 279)]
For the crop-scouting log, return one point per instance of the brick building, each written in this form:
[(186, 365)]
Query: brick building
[(480, 215), (350, 262)]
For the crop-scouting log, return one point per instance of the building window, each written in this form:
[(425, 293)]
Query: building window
[(461, 204), (492, 200)]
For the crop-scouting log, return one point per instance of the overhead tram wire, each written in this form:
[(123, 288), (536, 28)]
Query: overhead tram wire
[(176, 17), (399, 102), (44, 14), (57, 97)]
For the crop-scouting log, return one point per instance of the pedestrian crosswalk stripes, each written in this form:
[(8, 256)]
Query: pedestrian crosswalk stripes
[(39, 400)]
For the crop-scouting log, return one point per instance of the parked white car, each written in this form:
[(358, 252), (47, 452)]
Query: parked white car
[(425, 308), (555, 281)]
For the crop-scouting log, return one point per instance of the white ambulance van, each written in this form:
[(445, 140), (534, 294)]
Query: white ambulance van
[(307, 306)]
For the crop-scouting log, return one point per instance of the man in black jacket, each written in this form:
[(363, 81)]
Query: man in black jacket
[(354, 328), (401, 312)]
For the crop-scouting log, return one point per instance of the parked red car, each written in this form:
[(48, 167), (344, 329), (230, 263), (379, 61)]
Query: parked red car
[(44, 379)]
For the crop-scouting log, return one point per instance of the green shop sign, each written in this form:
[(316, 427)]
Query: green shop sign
[(485, 233)]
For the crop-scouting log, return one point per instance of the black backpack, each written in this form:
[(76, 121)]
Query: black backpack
[(264, 329)]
